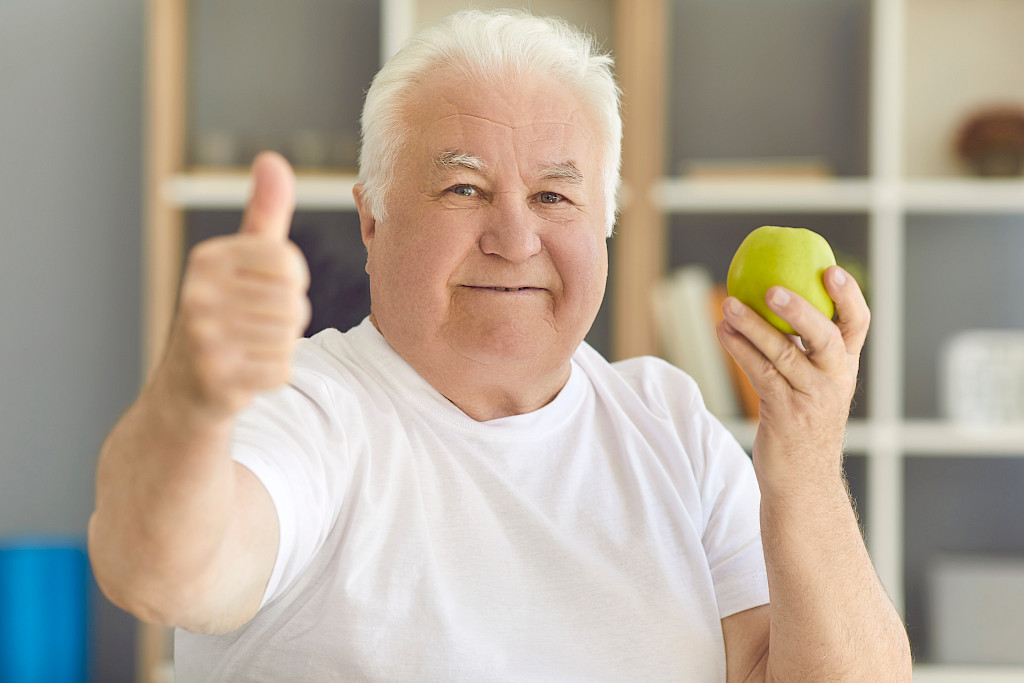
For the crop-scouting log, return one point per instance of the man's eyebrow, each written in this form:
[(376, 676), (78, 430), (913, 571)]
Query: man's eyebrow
[(563, 170), (454, 158)]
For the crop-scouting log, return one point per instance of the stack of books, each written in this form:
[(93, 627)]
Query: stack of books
[(687, 308)]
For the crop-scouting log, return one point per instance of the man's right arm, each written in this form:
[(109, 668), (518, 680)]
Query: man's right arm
[(181, 534)]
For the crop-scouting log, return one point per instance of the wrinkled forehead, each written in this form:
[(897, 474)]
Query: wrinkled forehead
[(514, 100), (450, 113)]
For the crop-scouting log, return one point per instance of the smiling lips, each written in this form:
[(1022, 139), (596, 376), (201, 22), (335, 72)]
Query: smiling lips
[(503, 289), (506, 289)]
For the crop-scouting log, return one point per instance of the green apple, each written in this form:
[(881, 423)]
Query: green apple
[(795, 258)]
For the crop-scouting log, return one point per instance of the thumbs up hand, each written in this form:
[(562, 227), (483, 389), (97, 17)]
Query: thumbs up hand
[(243, 304)]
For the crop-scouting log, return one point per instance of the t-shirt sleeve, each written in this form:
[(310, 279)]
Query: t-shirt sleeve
[(288, 440), (728, 512), (732, 530)]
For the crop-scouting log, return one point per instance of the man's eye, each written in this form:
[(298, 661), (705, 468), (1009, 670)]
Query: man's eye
[(550, 197), (464, 190)]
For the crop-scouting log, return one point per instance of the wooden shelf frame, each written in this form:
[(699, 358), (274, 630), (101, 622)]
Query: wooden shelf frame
[(886, 197)]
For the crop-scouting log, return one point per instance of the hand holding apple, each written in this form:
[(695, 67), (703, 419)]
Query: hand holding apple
[(795, 258), (805, 385)]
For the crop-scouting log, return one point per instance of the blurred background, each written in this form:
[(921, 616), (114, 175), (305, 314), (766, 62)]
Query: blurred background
[(893, 127)]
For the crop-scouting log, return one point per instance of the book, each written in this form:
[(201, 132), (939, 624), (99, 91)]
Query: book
[(689, 340)]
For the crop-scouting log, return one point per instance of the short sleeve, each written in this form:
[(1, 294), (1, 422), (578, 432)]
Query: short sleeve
[(289, 441), (731, 501), (728, 514)]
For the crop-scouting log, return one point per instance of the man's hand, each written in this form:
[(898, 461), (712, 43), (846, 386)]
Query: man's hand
[(182, 535), (243, 304), (829, 617), (805, 385)]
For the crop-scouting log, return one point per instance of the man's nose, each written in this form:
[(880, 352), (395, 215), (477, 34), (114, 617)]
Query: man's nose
[(510, 230)]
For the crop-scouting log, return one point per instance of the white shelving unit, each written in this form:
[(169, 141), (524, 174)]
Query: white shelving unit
[(895, 190), (898, 184)]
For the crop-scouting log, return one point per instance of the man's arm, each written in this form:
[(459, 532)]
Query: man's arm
[(181, 534), (829, 618)]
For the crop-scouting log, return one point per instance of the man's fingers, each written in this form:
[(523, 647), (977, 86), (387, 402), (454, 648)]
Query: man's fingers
[(852, 314), (253, 259), (766, 355), (272, 202), (821, 340)]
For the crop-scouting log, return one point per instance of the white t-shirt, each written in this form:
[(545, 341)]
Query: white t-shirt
[(600, 538)]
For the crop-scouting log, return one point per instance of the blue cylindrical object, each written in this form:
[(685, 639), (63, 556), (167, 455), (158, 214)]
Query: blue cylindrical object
[(44, 611)]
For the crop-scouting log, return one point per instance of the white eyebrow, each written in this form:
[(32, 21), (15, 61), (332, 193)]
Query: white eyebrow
[(454, 158), (564, 170)]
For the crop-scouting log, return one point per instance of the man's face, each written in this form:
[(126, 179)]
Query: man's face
[(493, 251)]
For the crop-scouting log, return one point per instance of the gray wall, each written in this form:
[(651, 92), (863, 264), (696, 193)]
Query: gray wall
[(70, 184)]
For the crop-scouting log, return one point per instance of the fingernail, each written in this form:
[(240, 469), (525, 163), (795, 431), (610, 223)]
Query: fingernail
[(734, 305), (780, 297), (839, 276)]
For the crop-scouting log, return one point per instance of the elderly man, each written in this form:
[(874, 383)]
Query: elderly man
[(459, 488)]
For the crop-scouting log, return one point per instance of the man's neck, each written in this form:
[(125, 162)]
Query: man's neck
[(504, 396), (486, 390)]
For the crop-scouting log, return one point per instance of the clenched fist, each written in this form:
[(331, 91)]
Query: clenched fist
[(243, 304)]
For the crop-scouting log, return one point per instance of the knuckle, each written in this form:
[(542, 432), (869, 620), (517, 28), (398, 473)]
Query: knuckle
[(200, 294), (199, 299), (207, 254), (789, 355), (834, 338)]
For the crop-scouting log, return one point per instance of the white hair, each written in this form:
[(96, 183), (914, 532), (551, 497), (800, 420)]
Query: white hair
[(492, 45)]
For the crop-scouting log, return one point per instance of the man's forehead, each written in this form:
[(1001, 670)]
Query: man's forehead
[(449, 101)]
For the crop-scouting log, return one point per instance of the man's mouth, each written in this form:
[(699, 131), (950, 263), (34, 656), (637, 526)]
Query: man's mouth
[(503, 289)]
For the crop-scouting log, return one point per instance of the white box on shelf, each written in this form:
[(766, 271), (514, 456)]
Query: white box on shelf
[(983, 378), (977, 610)]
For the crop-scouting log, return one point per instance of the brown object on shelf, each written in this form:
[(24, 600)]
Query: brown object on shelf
[(763, 169), (991, 141)]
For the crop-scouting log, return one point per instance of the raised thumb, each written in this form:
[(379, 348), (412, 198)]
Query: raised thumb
[(272, 202)]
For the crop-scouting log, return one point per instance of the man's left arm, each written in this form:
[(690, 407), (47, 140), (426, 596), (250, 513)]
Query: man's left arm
[(830, 617)]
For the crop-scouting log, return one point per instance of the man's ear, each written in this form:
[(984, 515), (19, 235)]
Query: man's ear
[(367, 223)]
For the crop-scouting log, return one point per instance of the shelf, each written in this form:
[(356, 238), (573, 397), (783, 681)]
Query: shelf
[(964, 195), (858, 434), (934, 673), (941, 438), (229, 189), (875, 91), (916, 438), (679, 195), (960, 195)]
